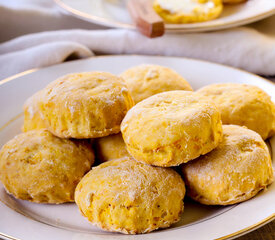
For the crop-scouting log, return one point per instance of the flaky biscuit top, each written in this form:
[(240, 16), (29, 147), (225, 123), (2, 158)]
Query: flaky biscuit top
[(40, 167), (85, 105), (181, 124), (233, 172), (146, 80), (127, 196), (244, 105)]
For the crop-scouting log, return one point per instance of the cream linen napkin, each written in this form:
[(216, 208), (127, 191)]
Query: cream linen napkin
[(251, 47)]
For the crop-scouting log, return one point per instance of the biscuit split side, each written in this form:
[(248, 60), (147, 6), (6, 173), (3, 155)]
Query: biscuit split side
[(171, 128), (233, 172), (127, 196)]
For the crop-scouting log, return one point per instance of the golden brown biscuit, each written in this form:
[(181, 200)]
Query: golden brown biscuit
[(143, 81), (233, 172), (32, 116), (111, 147), (188, 11), (85, 105), (39, 167), (130, 197), (171, 128), (243, 105)]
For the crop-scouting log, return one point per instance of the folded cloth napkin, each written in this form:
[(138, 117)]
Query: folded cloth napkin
[(251, 47), (19, 17)]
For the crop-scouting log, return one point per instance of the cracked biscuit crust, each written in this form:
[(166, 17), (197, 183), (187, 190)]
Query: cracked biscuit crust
[(172, 128), (144, 81), (39, 167), (127, 196), (233, 172), (243, 105), (85, 105)]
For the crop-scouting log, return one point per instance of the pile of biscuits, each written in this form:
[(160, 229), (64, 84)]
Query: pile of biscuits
[(190, 11), (151, 136)]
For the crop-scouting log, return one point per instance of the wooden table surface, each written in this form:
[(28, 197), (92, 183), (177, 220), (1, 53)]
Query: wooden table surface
[(266, 232)]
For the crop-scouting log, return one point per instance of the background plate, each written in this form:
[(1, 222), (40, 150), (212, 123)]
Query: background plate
[(31, 221), (113, 13)]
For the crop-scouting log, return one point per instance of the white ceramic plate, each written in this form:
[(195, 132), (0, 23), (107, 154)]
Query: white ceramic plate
[(113, 13), (31, 221)]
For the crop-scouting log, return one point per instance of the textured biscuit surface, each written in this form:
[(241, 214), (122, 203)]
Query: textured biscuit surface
[(111, 147), (85, 105), (42, 168), (32, 116), (143, 81), (188, 11), (233, 172), (171, 128), (244, 105), (130, 197)]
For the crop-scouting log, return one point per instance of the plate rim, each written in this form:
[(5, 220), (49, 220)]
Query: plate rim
[(183, 28), (29, 71), (229, 236)]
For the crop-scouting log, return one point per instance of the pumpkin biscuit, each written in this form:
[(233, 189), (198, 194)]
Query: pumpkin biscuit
[(39, 167), (171, 128), (85, 105), (243, 105), (130, 197), (143, 81), (233, 172)]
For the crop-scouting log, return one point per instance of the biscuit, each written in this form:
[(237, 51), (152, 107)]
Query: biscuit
[(126, 196), (32, 116), (85, 105), (233, 172), (171, 128), (188, 11), (143, 81), (110, 147), (39, 167), (243, 105)]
